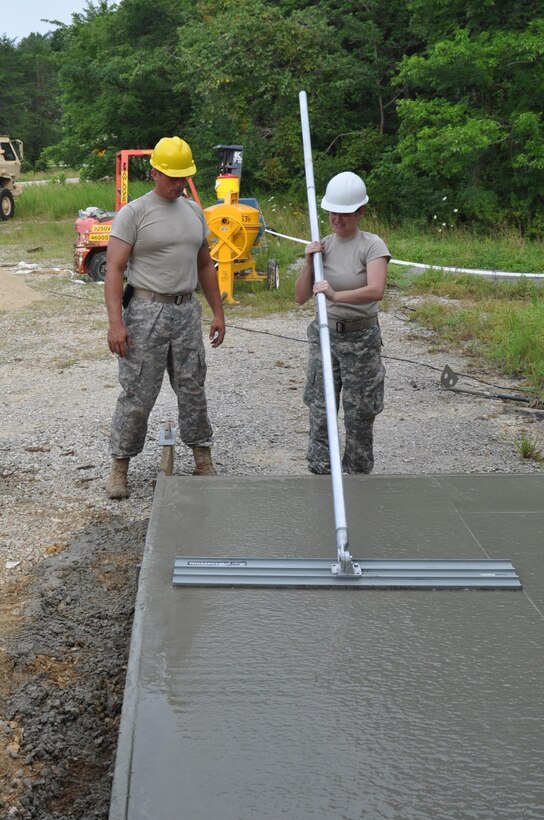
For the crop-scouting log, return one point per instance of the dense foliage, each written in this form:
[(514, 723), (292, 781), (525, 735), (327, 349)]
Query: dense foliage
[(437, 103), (29, 99)]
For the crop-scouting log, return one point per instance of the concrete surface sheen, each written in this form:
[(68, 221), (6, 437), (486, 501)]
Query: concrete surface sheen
[(244, 704)]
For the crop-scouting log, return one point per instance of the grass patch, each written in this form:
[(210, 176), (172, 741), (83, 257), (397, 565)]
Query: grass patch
[(529, 448), (35, 241), (467, 286), (54, 201), (52, 172), (504, 250), (504, 328)]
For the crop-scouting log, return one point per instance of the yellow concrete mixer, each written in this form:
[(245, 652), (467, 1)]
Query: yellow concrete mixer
[(236, 227)]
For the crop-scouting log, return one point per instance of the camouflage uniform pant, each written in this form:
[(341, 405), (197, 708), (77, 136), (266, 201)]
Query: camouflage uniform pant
[(358, 376), (163, 337)]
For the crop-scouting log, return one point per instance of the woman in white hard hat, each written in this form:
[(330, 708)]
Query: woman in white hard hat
[(354, 277)]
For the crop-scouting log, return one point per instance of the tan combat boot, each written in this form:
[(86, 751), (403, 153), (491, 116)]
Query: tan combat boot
[(203, 461), (116, 482)]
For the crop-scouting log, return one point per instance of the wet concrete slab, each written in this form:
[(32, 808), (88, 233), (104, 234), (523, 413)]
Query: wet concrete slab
[(286, 703)]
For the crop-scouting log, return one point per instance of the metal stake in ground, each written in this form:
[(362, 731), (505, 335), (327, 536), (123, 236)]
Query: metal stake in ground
[(345, 565)]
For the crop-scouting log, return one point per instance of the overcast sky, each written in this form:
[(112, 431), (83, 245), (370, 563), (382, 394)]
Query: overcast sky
[(20, 18)]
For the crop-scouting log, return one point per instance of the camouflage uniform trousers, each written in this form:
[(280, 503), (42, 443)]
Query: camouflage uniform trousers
[(358, 376), (163, 336)]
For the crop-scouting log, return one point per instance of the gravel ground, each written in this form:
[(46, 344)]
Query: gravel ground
[(69, 557)]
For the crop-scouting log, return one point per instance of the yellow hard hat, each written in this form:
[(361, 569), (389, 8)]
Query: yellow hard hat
[(173, 156)]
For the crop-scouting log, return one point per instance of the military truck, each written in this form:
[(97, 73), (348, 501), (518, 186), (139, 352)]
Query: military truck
[(11, 156)]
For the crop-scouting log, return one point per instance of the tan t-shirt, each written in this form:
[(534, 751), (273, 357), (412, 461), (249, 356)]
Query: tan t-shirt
[(166, 238), (344, 268)]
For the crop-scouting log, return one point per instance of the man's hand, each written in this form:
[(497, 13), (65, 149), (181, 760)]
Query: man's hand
[(118, 338), (208, 282), (217, 331), (117, 258)]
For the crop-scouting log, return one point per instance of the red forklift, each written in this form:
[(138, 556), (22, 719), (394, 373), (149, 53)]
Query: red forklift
[(94, 225)]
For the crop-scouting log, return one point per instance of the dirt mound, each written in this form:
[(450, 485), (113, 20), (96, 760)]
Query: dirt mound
[(15, 294)]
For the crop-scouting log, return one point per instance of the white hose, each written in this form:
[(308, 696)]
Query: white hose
[(492, 274)]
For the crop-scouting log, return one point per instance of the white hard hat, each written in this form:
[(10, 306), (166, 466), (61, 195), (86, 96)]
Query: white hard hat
[(346, 192)]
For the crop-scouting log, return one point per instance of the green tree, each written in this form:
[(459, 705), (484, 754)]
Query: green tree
[(471, 123), (12, 94), (221, 72), (245, 65), (425, 98), (42, 109), (116, 74), (28, 93), (361, 122), (437, 20)]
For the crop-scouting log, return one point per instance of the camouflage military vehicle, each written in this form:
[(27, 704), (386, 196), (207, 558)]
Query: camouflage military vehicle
[(11, 155)]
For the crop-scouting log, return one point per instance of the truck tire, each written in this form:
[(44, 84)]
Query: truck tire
[(97, 267), (7, 205)]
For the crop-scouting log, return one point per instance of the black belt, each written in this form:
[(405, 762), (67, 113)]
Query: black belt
[(349, 327), (171, 298)]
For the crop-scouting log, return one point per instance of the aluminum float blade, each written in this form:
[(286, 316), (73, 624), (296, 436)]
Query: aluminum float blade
[(294, 572)]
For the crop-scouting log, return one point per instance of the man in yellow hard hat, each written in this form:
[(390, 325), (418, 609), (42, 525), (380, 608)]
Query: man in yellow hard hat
[(159, 241)]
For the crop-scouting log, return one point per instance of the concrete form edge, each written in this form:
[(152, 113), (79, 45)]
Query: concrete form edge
[(125, 743)]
